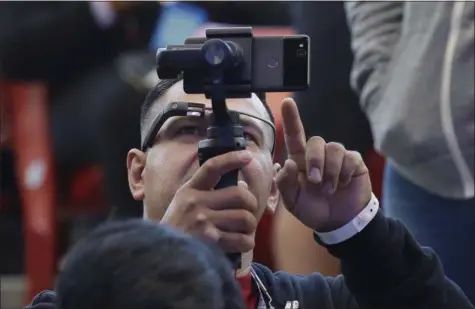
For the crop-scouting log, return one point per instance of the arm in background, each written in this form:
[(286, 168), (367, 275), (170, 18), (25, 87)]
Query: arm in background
[(375, 30)]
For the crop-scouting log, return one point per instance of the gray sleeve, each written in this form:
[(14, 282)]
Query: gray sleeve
[(375, 30)]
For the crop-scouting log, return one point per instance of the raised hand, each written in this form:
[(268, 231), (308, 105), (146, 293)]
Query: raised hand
[(322, 184)]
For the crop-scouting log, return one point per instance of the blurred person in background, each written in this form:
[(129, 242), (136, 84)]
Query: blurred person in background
[(414, 70), (136, 264), (72, 47), (330, 109)]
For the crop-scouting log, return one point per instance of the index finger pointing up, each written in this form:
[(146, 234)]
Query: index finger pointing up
[(294, 133)]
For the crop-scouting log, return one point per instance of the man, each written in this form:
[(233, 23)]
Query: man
[(414, 70), (138, 265), (323, 185)]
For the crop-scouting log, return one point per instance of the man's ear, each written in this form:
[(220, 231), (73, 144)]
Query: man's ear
[(136, 160), (274, 197)]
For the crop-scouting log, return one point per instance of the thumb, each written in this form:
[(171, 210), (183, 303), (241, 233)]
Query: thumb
[(288, 183)]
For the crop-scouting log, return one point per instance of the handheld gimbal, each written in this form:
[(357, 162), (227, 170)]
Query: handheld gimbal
[(219, 67), (232, 63)]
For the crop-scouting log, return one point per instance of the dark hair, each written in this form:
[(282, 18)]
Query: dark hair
[(163, 85), (137, 264)]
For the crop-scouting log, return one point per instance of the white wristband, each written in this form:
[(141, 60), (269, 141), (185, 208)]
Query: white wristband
[(354, 226)]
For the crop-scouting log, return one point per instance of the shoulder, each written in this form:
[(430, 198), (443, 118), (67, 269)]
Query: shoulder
[(309, 290), (44, 300)]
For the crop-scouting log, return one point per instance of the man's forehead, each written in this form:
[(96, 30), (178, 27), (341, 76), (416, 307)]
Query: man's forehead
[(252, 105)]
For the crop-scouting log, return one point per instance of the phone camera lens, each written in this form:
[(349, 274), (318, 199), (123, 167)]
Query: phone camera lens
[(301, 53)]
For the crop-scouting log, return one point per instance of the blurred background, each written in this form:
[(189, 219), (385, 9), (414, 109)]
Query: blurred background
[(72, 78)]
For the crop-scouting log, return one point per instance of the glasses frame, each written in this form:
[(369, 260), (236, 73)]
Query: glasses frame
[(188, 109)]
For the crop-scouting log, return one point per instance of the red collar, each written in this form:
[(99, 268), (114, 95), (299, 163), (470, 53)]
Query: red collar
[(248, 291)]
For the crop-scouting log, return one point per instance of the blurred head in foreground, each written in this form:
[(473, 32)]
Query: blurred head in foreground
[(141, 265)]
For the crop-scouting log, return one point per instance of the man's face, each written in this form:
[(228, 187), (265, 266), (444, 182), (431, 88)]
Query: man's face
[(156, 175)]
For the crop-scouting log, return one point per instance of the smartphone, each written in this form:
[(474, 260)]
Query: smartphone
[(279, 63)]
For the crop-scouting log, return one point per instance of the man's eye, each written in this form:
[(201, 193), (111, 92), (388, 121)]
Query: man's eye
[(188, 130), (251, 138)]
